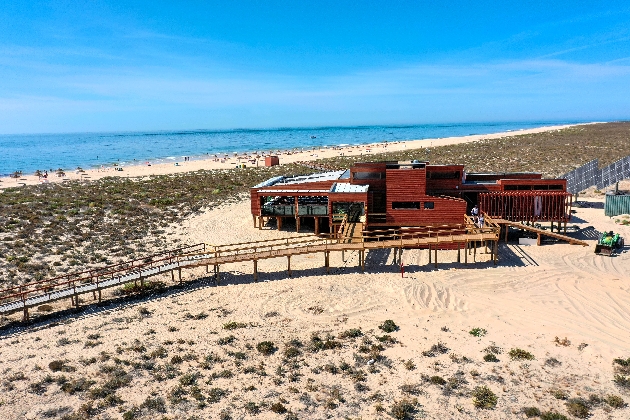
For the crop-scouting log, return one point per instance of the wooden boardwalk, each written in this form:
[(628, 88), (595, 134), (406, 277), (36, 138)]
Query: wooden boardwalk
[(23, 297)]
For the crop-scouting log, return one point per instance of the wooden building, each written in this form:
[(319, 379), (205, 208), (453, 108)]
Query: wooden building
[(384, 195)]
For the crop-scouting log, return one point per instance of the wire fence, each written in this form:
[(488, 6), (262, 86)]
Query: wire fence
[(589, 174)]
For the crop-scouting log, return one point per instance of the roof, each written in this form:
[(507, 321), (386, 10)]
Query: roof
[(342, 187), (280, 180)]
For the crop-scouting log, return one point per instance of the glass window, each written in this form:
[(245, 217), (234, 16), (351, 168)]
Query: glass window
[(429, 205)]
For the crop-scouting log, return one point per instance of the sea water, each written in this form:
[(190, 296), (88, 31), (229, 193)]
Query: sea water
[(49, 152)]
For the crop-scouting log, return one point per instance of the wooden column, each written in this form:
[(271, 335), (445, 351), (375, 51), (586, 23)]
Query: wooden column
[(172, 275), (496, 251), (475, 252), (363, 260), (99, 295), (216, 273), (255, 270), (297, 224), (279, 222), (458, 253), (436, 248), (260, 222), (466, 253), (565, 227), (26, 317), (316, 225), (289, 265), (429, 254), (538, 240), (254, 217), (507, 229), (179, 269), (327, 261)]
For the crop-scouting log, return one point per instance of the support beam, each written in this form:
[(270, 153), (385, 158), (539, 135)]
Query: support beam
[(173, 275), (99, 295), (507, 229), (496, 251), (297, 224), (327, 261), (255, 270), (289, 265), (458, 253), (26, 317), (179, 269), (216, 273), (363, 260), (254, 217), (466, 253), (538, 240), (429, 254), (316, 225), (436, 248)]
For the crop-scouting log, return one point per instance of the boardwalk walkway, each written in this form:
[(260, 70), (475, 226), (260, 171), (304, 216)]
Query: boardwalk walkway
[(23, 297)]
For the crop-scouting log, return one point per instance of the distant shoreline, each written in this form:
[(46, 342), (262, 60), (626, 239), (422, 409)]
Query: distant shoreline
[(196, 163)]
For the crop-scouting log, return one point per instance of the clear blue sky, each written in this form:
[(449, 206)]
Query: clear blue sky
[(68, 66)]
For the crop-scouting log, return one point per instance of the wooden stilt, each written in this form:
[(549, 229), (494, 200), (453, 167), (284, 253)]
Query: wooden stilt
[(216, 273), (429, 254), (496, 251), (436, 248), (297, 224), (475, 252), (507, 229), (458, 253), (254, 217), (327, 261), (565, 227), (99, 295), (173, 275), (363, 260), (26, 317), (316, 225), (255, 270), (93, 294), (538, 240), (279, 222), (179, 269), (289, 265), (466, 253)]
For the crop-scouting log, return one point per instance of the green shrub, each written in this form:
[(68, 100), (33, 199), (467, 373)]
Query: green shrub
[(389, 326), (278, 408), (622, 381), (226, 340), (351, 333), (490, 358), (478, 332), (615, 401), (520, 354), (154, 404), (578, 407), (232, 325), (483, 397), (531, 412), (553, 415), (404, 409), (266, 347), (437, 380)]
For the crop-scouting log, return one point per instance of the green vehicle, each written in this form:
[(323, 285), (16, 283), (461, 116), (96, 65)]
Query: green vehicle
[(608, 242)]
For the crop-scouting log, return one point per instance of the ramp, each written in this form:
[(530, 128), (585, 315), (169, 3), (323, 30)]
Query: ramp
[(540, 232)]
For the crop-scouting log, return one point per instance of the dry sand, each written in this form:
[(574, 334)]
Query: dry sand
[(534, 295), (251, 160)]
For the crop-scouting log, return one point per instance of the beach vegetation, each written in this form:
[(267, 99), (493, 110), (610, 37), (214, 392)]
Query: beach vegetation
[(520, 354), (404, 409), (389, 326), (483, 397), (578, 407), (489, 357), (531, 412), (615, 401), (478, 332), (266, 347), (553, 415)]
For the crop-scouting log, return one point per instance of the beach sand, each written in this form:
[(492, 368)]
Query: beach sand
[(310, 154), (534, 295)]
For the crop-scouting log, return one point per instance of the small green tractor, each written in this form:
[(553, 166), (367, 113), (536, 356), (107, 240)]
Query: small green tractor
[(608, 242)]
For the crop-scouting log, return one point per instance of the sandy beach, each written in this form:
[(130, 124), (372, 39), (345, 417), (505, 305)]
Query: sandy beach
[(194, 351), (149, 168)]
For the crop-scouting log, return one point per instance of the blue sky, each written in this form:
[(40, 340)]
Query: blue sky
[(68, 66)]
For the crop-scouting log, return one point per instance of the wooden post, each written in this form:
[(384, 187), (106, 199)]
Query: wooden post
[(496, 251), (279, 222), (207, 268), (507, 228), (363, 260), (316, 225), (260, 222), (297, 224), (458, 257), (254, 217), (26, 318), (565, 227), (538, 240), (429, 253), (289, 264), (99, 295), (255, 270), (466, 252), (436, 248), (216, 273), (475, 252), (179, 269), (172, 275), (327, 261)]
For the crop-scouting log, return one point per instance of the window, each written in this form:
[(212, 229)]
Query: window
[(443, 175), (429, 205), (406, 205), (368, 175)]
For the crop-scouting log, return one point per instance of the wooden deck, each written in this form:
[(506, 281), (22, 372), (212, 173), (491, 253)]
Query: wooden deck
[(23, 297)]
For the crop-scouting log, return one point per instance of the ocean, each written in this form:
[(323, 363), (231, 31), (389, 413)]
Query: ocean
[(29, 152)]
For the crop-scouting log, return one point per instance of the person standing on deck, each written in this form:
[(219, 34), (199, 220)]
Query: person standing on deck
[(474, 212), (480, 219)]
